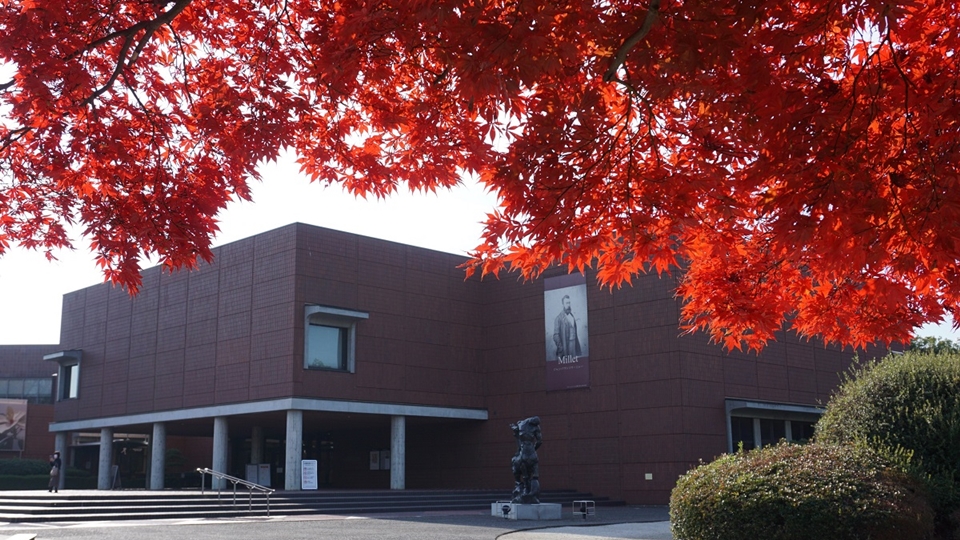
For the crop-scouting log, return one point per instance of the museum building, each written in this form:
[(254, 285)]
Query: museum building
[(382, 363)]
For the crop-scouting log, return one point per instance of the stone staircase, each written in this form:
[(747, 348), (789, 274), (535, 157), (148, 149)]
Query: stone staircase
[(39, 506)]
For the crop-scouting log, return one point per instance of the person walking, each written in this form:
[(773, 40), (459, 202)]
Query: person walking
[(55, 466)]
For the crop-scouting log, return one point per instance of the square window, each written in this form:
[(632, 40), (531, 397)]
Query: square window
[(771, 431), (326, 347), (801, 431), (330, 338)]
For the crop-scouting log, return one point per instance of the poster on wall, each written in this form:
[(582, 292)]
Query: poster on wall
[(566, 332), (13, 424), (374, 460)]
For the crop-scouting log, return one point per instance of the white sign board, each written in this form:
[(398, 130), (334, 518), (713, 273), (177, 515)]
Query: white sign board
[(264, 474), (308, 474)]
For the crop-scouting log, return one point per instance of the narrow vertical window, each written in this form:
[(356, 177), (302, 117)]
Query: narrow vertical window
[(73, 389), (742, 432)]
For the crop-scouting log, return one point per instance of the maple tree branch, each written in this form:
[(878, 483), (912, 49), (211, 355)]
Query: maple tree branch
[(116, 72), (183, 58), (128, 34), (14, 136), (130, 31), (854, 96), (907, 83), (151, 116), (621, 55)]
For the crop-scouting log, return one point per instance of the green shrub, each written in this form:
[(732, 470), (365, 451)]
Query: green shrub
[(19, 482), (799, 492), (87, 481), (906, 407), (76, 479), (17, 474), (24, 467)]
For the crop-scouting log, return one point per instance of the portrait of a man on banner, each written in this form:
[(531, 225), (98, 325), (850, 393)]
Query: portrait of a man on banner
[(566, 331)]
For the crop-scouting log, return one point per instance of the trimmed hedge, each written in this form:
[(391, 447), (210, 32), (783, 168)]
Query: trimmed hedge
[(9, 482), (799, 492), (23, 467), (907, 408), (16, 474), (40, 481)]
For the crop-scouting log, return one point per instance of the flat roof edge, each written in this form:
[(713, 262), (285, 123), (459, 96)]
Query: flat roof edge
[(733, 404), (274, 405)]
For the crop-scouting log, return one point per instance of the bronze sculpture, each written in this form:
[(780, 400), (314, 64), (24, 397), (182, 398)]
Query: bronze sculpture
[(526, 469)]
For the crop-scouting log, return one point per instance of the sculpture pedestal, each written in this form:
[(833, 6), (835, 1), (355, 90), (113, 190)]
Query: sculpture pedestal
[(542, 511)]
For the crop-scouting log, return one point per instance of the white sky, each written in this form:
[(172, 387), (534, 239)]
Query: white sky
[(31, 288)]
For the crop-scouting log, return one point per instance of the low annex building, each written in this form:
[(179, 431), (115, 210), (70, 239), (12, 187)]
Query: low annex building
[(382, 363)]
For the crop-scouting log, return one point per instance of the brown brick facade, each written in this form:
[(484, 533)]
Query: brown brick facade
[(233, 331)]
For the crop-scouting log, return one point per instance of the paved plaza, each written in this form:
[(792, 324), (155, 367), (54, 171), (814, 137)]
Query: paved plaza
[(636, 523)]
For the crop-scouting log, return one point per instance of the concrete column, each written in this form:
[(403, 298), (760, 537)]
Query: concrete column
[(294, 450), (60, 445), (256, 445), (221, 441), (398, 452), (158, 455), (104, 476)]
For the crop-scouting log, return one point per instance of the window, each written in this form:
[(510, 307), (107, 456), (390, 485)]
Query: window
[(771, 431), (759, 423), (327, 347), (16, 388), (330, 338), (742, 431), (68, 384), (801, 431), (33, 390)]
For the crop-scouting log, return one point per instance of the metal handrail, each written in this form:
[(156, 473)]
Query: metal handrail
[(246, 483)]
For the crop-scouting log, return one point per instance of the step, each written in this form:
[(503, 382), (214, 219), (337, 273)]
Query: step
[(126, 505)]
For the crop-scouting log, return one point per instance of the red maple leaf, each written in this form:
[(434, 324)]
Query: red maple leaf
[(798, 160)]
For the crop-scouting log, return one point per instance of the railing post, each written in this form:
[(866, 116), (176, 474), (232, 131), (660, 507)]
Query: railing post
[(226, 477)]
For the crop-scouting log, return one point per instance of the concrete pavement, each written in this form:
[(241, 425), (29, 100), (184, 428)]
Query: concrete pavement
[(657, 530), (620, 523)]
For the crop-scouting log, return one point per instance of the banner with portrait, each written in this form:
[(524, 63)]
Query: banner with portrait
[(13, 424), (566, 332)]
